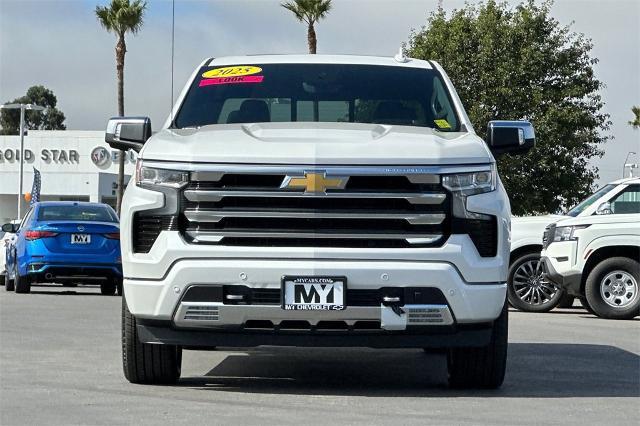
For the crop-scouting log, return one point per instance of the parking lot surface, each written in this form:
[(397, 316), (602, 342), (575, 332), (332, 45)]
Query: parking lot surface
[(60, 364)]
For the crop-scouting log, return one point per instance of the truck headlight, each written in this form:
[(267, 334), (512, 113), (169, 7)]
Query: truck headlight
[(463, 185), (567, 233), (471, 183), (149, 176)]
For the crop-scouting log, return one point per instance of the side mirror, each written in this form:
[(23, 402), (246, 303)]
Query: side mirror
[(604, 208), (514, 137), (126, 133), (10, 228)]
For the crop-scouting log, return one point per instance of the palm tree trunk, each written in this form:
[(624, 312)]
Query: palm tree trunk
[(121, 49), (311, 39)]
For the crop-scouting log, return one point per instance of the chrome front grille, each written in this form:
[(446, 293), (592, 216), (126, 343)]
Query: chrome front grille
[(367, 207)]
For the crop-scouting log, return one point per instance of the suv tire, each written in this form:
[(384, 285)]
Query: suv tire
[(145, 363), (522, 271), (482, 367), (614, 281)]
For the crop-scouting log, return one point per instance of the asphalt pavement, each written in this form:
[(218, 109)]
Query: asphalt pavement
[(60, 365)]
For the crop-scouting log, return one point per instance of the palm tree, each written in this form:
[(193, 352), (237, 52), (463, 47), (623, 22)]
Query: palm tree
[(635, 123), (310, 12), (121, 17)]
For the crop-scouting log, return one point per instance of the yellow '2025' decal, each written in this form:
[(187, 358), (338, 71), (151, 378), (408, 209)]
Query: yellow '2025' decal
[(235, 71)]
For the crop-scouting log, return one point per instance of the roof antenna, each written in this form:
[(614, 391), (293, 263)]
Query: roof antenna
[(400, 56), (173, 26)]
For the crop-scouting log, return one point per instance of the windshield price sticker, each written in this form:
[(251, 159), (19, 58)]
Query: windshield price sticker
[(231, 75), (442, 124)]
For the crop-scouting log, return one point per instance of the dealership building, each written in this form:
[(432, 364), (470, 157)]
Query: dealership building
[(75, 165)]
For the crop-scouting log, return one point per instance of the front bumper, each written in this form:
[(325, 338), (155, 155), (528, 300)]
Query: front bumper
[(570, 281), (161, 299), (559, 264), (477, 335)]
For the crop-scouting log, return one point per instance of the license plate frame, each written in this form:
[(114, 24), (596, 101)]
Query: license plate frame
[(80, 239), (339, 289)]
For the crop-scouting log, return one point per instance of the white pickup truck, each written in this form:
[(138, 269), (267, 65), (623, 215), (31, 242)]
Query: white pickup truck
[(310, 200), (596, 256), (528, 287)]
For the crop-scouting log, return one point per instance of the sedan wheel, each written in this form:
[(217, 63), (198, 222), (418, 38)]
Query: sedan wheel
[(528, 289)]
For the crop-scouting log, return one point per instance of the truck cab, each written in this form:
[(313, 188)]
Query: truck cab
[(316, 200)]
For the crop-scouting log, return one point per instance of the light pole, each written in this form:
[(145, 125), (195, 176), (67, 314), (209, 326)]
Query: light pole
[(625, 164), (22, 108)]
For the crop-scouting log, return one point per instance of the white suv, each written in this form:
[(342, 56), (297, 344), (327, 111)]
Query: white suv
[(310, 200), (597, 256)]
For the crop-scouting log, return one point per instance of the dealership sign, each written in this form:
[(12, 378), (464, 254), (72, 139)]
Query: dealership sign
[(100, 156)]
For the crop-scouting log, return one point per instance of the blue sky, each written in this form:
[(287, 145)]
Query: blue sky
[(59, 44)]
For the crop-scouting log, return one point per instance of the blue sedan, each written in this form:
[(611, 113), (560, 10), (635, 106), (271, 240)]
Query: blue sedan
[(67, 243)]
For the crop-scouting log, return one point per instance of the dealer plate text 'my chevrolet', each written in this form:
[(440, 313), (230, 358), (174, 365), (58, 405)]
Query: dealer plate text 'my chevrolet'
[(316, 201)]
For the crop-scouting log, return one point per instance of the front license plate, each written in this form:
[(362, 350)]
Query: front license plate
[(314, 293), (80, 238)]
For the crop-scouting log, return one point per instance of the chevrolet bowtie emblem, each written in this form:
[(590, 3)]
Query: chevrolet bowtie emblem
[(314, 183)]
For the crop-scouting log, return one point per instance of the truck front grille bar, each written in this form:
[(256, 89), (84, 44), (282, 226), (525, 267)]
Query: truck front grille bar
[(373, 207)]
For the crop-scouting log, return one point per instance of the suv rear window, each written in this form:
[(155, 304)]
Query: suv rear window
[(318, 92), (77, 213)]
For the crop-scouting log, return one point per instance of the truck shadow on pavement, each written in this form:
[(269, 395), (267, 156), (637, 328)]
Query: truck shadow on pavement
[(535, 370)]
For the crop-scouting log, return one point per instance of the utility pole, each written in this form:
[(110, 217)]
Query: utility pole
[(22, 108)]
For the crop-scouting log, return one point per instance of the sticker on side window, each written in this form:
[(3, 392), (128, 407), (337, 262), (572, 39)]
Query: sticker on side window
[(231, 75), (442, 124)]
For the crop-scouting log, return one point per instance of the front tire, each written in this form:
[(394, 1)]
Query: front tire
[(145, 363), (613, 288), (527, 289), (482, 367)]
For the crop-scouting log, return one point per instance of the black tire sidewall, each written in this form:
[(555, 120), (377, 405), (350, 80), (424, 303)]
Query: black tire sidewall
[(515, 301), (592, 288), (21, 284), (108, 288)]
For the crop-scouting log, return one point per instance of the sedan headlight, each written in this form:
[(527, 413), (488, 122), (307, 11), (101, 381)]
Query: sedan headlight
[(463, 185), (567, 233), (149, 176)]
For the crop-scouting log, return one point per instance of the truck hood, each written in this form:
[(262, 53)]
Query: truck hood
[(316, 143), (631, 218)]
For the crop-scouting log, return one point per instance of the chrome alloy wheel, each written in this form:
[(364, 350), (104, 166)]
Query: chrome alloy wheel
[(619, 289), (531, 286)]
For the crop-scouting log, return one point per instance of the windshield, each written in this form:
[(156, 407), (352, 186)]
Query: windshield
[(77, 213), (589, 200), (318, 92)]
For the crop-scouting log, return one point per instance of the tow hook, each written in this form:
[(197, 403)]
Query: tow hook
[(392, 315), (394, 304)]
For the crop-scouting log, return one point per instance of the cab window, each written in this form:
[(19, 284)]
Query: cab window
[(627, 201)]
